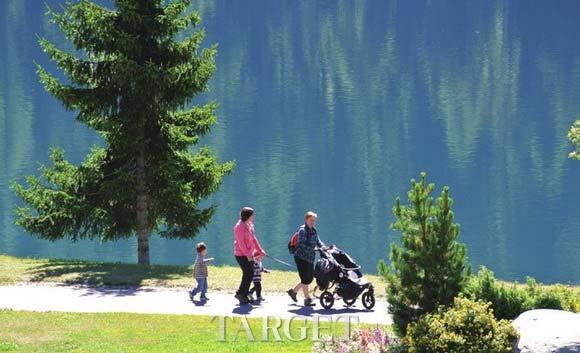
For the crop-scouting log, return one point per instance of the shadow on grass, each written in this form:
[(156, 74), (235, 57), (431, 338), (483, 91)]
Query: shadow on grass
[(107, 274)]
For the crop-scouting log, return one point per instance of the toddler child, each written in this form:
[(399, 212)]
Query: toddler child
[(200, 272), (257, 279)]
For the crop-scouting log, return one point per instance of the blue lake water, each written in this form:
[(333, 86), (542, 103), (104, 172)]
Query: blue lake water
[(334, 106)]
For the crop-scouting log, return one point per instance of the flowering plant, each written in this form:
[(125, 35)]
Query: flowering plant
[(362, 341)]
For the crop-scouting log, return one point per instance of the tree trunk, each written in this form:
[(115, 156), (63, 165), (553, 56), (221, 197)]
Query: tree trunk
[(142, 208)]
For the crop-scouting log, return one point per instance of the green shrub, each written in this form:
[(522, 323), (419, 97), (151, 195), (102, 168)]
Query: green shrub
[(571, 297), (468, 326), (548, 300), (510, 300), (430, 267), (507, 301), (554, 296)]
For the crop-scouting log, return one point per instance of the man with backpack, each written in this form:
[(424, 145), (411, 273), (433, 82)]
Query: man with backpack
[(302, 245)]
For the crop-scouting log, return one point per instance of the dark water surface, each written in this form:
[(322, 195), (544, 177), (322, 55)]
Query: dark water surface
[(334, 106)]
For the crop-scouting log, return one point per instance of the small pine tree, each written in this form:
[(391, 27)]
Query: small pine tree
[(131, 81), (429, 269), (574, 137)]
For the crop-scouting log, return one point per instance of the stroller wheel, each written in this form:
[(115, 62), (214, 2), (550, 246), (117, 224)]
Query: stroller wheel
[(326, 299), (368, 299), (349, 302)]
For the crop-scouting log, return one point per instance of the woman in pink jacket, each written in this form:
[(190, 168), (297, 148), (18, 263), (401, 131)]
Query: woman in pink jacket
[(245, 246)]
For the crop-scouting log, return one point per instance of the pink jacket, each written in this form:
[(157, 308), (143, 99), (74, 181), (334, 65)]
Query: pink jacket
[(245, 241)]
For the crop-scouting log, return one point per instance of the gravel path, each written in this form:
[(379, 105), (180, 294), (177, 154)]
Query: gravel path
[(169, 301)]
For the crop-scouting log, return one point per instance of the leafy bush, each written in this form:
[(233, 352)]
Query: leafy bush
[(507, 301), (555, 296), (468, 326), (430, 267), (510, 300), (362, 341)]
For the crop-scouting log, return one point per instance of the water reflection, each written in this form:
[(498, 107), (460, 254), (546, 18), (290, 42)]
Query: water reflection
[(334, 106)]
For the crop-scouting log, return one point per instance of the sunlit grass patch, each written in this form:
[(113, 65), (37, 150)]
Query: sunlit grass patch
[(122, 332)]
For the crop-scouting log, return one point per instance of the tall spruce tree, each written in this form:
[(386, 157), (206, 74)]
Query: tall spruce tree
[(574, 137), (430, 267), (131, 81)]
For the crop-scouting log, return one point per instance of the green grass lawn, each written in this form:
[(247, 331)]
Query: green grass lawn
[(222, 278), (119, 332)]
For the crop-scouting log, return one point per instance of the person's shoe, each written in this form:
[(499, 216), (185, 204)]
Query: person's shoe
[(251, 298), (309, 302), (260, 298), (191, 295), (292, 295), (243, 299), (204, 299)]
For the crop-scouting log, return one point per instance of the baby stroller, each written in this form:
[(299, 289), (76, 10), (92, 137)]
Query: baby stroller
[(336, 269)]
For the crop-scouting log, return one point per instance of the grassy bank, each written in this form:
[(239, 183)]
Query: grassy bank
[(116, 332), (221, 278)]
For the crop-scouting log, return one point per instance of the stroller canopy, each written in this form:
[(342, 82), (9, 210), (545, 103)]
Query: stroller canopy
[(343, 259)]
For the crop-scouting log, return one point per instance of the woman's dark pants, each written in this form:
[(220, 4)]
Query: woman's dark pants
[(247, 275)]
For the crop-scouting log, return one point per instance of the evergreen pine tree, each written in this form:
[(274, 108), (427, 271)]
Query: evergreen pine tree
[(131, 81), (430, 267), (574, 137)]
